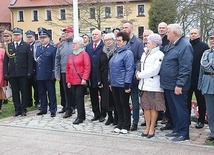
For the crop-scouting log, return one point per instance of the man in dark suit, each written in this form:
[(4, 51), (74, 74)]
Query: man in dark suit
[(199, 47), (175, 79), (30, 39), (94, 49), (18, 66), (45, 60)]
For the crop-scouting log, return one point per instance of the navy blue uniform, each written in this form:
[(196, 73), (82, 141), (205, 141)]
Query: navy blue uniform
[(45, 60), (17, 66)]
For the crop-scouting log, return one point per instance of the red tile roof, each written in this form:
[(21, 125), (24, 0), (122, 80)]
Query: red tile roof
[(4, 11), (39, 3)]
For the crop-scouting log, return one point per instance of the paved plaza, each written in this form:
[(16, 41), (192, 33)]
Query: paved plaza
[(46, 135)]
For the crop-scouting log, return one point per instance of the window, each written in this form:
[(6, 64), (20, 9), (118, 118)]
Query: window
[(108, 29), (140, 31), (62, 14), (140, 10), (91, 29), (92, 13), (119, 11), (35, 15), (20, 15), (50, 32), (48, 15), (107, 12)]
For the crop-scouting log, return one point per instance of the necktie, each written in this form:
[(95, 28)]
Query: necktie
[(95, 46), (17, 45)]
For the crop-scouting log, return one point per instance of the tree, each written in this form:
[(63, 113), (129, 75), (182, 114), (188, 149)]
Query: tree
[(196, 14), (161, 11)]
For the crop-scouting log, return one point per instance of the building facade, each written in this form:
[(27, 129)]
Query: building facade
[(101, 14)]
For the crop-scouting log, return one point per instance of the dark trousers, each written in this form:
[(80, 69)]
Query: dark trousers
[(33, 83), (47, 89), (67, 99), (200, 102), (97, 110), (122, 106), (79, 91), (179, 112), (135, 104), (167, 112), (19, 84)]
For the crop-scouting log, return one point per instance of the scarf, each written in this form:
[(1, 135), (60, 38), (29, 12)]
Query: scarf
[(109, 50), (76, 52)]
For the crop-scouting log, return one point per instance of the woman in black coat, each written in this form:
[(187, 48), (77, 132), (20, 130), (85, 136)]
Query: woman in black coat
[(107, 101)]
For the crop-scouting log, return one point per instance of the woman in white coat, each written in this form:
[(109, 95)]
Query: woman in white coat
[(152, 98)]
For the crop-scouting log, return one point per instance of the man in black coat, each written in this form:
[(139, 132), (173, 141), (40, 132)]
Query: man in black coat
[(199, 47), (18, 66), (30, 39)]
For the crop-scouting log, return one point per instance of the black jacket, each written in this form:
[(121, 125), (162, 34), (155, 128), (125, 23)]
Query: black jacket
[(198, 47), (21, 64)]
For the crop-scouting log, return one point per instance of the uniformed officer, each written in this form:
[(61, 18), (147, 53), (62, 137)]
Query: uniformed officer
[(7, 38), (17, 67), (45, 60), (30, 39)]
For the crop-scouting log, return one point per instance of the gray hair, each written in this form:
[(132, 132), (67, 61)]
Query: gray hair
[(109, 35), (79, 40), (97, 31), (155, 38), (149, 31), (177, 29)]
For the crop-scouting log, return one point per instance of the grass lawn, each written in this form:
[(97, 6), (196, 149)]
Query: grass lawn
[(8, 109)]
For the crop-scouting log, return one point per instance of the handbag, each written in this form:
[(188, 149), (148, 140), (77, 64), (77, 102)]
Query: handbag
[(5, 93)]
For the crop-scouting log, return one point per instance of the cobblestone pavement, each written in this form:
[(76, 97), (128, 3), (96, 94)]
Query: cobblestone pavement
[(45, 122)]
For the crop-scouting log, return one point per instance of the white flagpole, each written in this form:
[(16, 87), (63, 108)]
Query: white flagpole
[(75, 18)]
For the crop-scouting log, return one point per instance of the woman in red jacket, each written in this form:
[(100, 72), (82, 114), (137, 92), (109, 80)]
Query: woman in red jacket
[(78, 70)]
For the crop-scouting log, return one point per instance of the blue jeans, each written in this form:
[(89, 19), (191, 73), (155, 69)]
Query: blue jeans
[(135, 104)]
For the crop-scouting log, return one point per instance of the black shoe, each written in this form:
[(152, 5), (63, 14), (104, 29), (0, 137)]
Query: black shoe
[(78, 121), (67, 114), (210, 138), (102, 119), (143, 124), (17, 114), (95, 118), (199, 125), (62, 111), (41, 113), (150, 135), (23, 114), (168, 126), (109, 121), (144, 135), (53, 114), (134, 127)]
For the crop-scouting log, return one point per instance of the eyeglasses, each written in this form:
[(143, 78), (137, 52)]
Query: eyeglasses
[(6, 36)]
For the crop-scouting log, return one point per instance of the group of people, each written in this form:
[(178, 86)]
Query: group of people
[(159, 73)]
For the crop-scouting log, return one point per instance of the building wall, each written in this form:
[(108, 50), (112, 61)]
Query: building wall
[(56, 24)]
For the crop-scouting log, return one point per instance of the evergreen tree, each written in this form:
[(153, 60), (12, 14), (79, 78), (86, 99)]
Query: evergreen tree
[(162, 11)]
